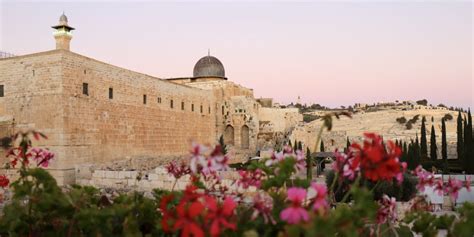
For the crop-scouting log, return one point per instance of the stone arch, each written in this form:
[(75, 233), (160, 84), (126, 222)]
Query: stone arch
[(229, 135), (245, 137)]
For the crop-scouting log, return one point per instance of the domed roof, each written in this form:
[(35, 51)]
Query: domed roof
[(63, 19), (209, 66)]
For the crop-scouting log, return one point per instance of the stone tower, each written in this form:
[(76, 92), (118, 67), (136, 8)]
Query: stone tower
[(62, 33)]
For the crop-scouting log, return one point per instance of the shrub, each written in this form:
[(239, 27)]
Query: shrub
[(309, 117), (401, 120), (447, 117), (422, 102)]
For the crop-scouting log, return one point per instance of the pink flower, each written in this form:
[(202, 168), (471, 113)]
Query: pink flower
[(207, 164), (387, 210), (351, 168), (295, 213), (198, 161), (438, 186), (177, 170), (275, 158), (300, 161), (41, 156), (467, 183), (263, 205), (425, 178), (452, 187), (250, 178), (320, 202)]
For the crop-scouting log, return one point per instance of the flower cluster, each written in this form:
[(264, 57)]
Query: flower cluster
[(288, 153), (262, 206), (316, 196), (178, 170), (387, 210), (205, 163), (24, 153), (296, 212), (4, 181), (197, 213), (373, 160), (451, 187), (250, 178)]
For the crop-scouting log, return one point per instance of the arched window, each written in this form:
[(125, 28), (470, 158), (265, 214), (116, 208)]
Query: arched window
[(229, 135), (245, 137)]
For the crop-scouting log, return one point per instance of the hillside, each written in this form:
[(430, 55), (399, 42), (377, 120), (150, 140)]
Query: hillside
[(382, 122)]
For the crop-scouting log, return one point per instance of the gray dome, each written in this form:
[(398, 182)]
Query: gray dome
[(63, 19), (209, 66)]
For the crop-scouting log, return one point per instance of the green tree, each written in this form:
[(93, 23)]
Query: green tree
[(468, 144), (433, 146), (223, 145), (444, 146), (466, 148), (416, 152), (423, 145), (348, 144), (321, 147), (460, 135), (309, 166)]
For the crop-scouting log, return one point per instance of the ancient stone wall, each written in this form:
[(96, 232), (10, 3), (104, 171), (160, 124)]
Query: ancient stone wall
[(146, 117), (120, 115)]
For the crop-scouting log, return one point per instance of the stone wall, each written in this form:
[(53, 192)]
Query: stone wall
[(141, 180), (281, 120), (44, 91)]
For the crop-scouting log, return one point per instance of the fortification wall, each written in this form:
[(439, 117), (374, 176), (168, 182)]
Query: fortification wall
[(32, 87), (146, 118)]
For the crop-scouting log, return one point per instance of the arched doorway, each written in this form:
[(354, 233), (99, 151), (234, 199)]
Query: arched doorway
[(229, 135), (245, 137)]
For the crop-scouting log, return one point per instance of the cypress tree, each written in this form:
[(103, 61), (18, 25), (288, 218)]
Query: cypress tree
[(460, 135), (410, 156), (321, 147), (289, 143), (424, 145), (466, 144), (444, 146), (295, 145), (433, 146), (348, 143), (416, 152), (309, 165), (469, 145), (300, 146)]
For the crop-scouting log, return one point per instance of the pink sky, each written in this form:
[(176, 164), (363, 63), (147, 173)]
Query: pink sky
[(331, 53)]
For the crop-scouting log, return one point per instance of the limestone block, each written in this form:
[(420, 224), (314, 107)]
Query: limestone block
[(153, 176), (98, 174), (161, 170)]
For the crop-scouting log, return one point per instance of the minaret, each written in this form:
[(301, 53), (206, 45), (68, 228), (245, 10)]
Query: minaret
[(62, 34)]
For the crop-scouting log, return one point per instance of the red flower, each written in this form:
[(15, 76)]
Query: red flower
[(187, 213), (376, 161), (167, 216), (219, 215), (4, 181)]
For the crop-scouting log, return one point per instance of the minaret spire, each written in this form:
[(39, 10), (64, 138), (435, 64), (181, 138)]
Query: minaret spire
[(62, 33)]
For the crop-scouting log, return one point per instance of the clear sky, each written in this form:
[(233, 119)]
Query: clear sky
[(326, 52)]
